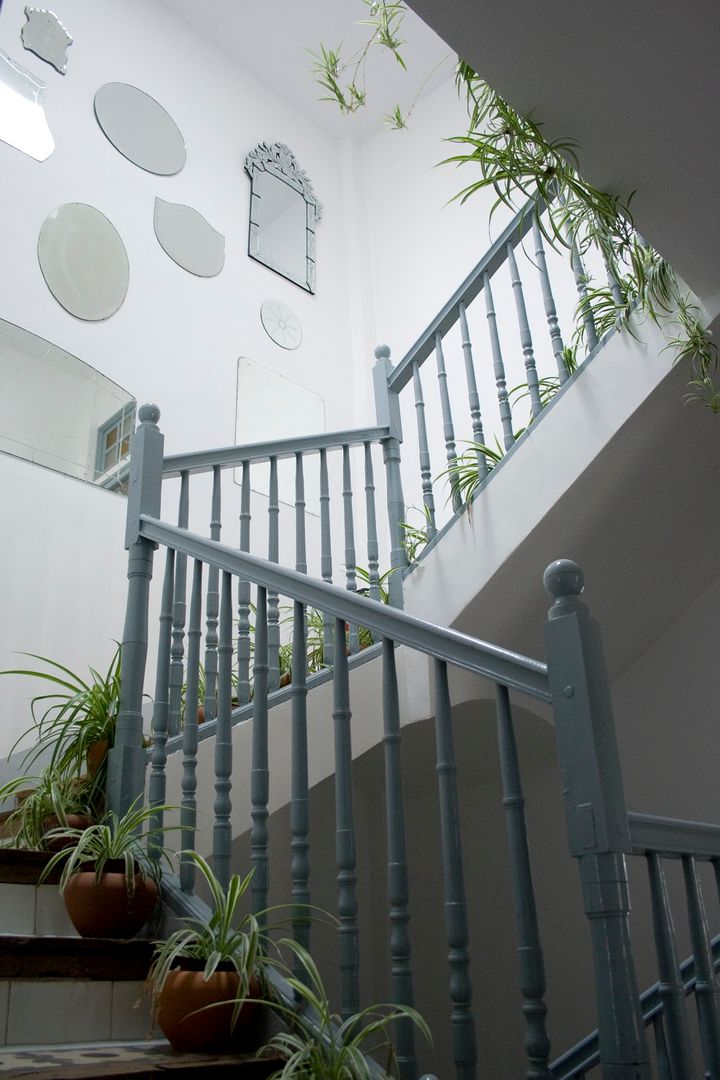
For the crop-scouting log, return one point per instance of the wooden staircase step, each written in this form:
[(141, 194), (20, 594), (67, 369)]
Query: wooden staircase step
[(137, 1060), (27, 957), (19, 867)]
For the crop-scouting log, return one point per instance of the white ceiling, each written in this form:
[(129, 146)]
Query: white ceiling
[(273, 40)]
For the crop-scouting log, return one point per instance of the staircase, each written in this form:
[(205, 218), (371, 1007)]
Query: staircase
[(412, 760)]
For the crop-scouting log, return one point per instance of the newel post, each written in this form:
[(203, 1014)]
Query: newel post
[(387, 410), (126, 760), (597, 822)]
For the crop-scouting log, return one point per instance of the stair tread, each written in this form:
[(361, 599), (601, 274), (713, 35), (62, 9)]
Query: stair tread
[(20, 867), (138, 1059), (32, 957)]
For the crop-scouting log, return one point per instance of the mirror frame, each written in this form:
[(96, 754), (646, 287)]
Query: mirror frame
[(278, 160)]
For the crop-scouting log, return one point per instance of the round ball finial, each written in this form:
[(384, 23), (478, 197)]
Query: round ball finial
[(382, 352), (563, 578), (148, 414)]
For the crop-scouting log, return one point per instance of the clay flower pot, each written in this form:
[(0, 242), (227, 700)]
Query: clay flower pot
[(185, 991), (95, 756), (105, 908)]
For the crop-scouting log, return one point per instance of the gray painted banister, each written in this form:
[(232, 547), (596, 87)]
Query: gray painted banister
[(222, 829), (456, 927), (706, 988), (300, 534), (349, 530), (177, 647), (212, 606), (525, 335), (300, 795), (259, 777), (326, 568), (596, 817), (529, 949), (229, 457), (387, 407), (373, 550), (581, 282), (401, 978), (498, 367), (500, 665), (473, 396), (428, 496), (448, 426), (549, 303), (670, 987), (158, 757), (273, 602), (491, 261), (347, 906), (673, 837), (126, 758), (244, 593), (188, 805)]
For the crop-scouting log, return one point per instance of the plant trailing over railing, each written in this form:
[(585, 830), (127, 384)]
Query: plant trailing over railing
[(515, 159)]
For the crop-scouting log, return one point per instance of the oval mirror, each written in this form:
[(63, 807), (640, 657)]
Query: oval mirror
[(83, 261), (139, 128)]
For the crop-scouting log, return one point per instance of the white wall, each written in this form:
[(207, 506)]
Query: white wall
[(62, 580), (176, 339)]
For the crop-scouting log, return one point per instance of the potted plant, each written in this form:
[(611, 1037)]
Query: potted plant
[(75, 720), (53, 800), (322, 1046), (203, 964), (111, 872)]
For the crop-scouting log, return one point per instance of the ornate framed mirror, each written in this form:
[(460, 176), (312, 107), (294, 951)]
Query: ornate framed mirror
[(283, 213)]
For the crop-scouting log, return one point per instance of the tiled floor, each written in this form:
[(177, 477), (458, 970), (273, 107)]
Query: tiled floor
[(106, 1059)]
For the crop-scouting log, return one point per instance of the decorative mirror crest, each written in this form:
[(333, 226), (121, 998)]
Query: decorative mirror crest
[(283, 212), (44, 35), (23, 123)]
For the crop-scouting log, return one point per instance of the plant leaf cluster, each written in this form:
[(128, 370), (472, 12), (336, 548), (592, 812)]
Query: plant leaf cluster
[(113, 839), (517, 161), (323, 1046)]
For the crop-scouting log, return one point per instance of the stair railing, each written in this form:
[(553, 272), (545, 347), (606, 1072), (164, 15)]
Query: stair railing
[(354, 452), (601, 833)]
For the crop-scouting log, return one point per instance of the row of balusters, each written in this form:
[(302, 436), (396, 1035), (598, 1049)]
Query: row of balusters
[(455, 908), (427, 480)]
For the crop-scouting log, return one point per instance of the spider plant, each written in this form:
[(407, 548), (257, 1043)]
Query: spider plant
[(53, 797), (415, 537), (74, 714), (224, 939), (321, 1045), (463, 474), (113, 839)]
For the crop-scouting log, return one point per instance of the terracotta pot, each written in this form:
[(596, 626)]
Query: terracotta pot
[(75, 821), (105, 909), (186, 991), (95, 756)]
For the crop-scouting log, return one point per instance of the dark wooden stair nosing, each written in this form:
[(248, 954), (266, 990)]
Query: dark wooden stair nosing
[(26, 957)]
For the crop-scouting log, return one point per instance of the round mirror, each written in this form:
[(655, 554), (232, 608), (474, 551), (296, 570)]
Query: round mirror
[(140, 128), (83, 261)]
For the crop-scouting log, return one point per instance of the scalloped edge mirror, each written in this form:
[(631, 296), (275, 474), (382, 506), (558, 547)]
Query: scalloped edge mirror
[(283, 213)]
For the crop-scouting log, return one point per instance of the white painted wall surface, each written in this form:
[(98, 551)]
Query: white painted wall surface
[(62, 580), (176, 339)]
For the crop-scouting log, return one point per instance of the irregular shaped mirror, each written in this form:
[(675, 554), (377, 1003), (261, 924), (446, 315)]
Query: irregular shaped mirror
[(140, 129), (188, 238), (22, 116), (44, 35), (59, 412), (283, 212), (83, 261)]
